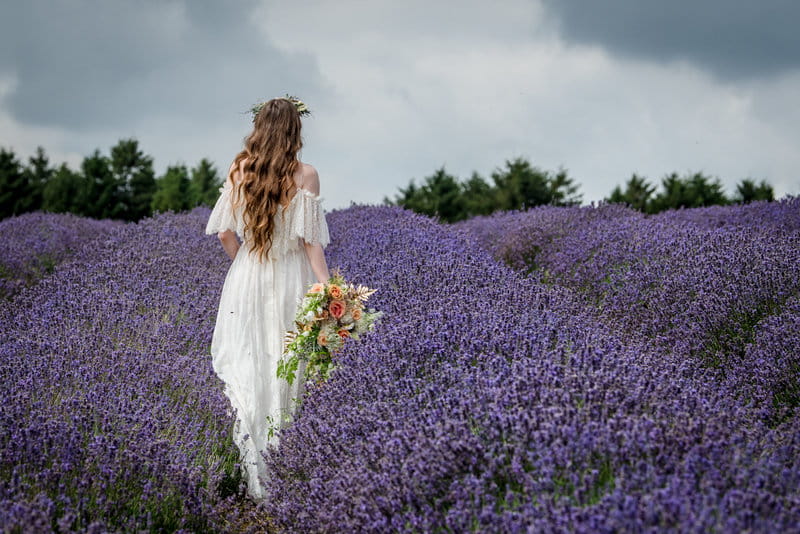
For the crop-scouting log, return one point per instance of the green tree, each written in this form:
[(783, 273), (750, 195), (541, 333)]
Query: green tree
[(748, 191), (103, 194), (134, 178), (63, 192), (674, 194), (478, 196), (445, 193), (563, 189), (37, 174), (404, 197), (693, 191), (439, 195), (172, 190), (706, 192), (638, 193), (204, 185), (520, 186), (13, 186)]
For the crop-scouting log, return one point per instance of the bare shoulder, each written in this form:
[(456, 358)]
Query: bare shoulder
[(310, 178)]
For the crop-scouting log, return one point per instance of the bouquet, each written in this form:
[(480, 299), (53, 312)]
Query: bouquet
[(329, 315)]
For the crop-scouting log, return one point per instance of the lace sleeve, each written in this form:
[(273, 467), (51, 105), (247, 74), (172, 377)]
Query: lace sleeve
[(222, 217), (309, 221)]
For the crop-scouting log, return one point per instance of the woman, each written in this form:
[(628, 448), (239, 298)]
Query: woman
[(271, 201)]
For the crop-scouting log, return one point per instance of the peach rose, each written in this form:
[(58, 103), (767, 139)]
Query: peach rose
[(356, 313), (322, 339), (317, 288), (335, 291), (343, 333), (337, 308)]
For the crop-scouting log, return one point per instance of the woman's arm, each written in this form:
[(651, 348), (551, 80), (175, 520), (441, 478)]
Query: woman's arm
[(229, 242), (316, 257)]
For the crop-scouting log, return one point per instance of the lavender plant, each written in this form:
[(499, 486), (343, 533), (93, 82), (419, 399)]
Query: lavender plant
[(112, 417), (489, 401), (573, 369), (695, 282), (35, 243)]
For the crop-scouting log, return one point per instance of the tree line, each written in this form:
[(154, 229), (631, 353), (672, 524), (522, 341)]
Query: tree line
[(518, 185), (121, 185), (694, 190)]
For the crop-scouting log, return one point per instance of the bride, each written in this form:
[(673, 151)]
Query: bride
[(271, 201)]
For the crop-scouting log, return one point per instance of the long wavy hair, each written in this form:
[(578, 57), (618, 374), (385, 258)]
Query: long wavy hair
[(269, 163)]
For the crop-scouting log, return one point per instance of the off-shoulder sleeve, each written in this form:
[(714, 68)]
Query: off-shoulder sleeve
[(222, 217), (308, 222)]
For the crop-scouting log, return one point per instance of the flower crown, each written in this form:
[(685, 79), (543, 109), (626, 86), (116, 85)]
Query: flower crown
[(299, 105)]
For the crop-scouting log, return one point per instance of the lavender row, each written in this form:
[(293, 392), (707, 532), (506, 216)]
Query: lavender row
[(112, 416), (781, 216), (34, 243), (488, 401), (697, 283)]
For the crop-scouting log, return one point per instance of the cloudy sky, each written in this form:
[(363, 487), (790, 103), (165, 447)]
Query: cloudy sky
[(399, 89)]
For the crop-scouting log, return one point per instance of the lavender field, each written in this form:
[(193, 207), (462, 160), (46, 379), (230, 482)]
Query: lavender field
[(561, 369)]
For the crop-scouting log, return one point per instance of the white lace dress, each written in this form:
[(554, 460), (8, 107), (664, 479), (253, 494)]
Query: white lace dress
[(256, 308)]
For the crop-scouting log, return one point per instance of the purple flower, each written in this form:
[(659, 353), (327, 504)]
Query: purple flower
[(565, 369)]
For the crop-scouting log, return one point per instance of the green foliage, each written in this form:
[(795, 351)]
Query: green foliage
[(287, 369), (748, 191), (692, 191), (478, 196), (204, 185), (37, 174), (518, 185), (638, 193), (103, 195), (121, 185), (563, 189), (63, 191), (13, 185), (172, 192), (134, 177), (439, 195)]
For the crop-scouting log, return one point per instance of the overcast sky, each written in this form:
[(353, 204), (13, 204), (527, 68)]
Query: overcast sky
[(399, 89)]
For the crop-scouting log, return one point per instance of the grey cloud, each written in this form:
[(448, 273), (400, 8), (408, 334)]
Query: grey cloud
[(734, 39), (85, 64)]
